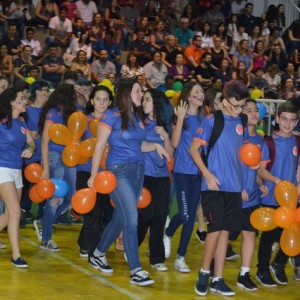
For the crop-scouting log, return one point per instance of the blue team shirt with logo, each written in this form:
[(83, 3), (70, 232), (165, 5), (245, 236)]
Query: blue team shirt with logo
[(223, 160), (124, 146), (55, 115), (33, 114), (183, 162), (13, 141), (154, 165), (249, 175), (284, 167)]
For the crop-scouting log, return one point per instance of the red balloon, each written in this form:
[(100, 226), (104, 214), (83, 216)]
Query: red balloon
[(290, 240), (105, 182), (145, 198), (250, 154), (104, 157), (286, 194), (34, 196), (84, 200), (45, 188), (33, 172), (284, 216)]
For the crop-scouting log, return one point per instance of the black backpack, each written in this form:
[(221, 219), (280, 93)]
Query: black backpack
[(217, 130)]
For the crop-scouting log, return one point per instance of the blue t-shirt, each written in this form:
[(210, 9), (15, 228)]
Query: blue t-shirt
[(87, 135), (13, 141), (183, 162), (249, 175), (124, 146), (55, 115), (223, 160), (154, 165), (33, 114), (284, 167)]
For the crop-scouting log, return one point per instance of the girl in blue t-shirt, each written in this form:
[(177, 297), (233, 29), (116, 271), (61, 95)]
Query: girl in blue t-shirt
[(61, 104), (123, 128), (95, 221), (16, 144), (187, 179), (159, 111)]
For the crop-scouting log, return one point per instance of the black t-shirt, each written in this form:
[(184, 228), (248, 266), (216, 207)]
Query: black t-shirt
[(170, 56)]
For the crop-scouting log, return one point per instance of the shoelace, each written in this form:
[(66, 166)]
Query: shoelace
[(52, 244), (103, 260), (142, 274)]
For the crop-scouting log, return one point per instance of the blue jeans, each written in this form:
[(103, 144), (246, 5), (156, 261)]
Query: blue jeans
[(130, 179), (54, 208), (188, 189)]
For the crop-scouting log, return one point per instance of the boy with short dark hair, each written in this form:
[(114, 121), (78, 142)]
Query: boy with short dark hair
[(284, 167), (222, 185)]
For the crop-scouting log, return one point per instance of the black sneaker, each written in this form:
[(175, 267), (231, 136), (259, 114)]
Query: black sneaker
[(219, 286), (141, 278), (201, 236), (19, 262), (83, 253), (230, 254), (265, 278), (279, 273), (246, 283), (100, 263), (201, 286)]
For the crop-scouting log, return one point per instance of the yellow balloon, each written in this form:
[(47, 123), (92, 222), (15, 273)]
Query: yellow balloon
[(170, 93), (255, 94)]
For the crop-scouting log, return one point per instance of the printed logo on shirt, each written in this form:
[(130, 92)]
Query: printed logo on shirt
[(295, 151), (23, 130), (49, 115), (239, 129), (59, 113), (117, 114), (141, 124), (199, 130)]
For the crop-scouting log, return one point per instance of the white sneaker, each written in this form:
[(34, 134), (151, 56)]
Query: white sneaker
[(167, 244), (160, 267), (38, 230), (181, 266)]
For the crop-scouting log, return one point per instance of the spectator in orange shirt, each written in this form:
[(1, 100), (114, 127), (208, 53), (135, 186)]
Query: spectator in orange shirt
[(193, 53)]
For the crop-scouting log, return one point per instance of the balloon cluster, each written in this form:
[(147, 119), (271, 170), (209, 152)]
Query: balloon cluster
[(174, 94), (286, 216), (43, 188)]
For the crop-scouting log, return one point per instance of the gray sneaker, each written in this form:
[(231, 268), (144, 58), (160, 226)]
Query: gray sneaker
[(49, 246), (297, 273), (38, 229)]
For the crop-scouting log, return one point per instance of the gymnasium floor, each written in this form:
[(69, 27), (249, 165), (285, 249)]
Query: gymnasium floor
[(65, 275)]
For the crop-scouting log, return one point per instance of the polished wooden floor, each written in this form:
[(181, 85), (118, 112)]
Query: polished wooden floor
[(66, 275)]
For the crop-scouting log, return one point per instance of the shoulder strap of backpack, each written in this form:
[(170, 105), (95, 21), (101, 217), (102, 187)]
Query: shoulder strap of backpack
[(215, 134), (272, 151), (297, 139), (244, 120)]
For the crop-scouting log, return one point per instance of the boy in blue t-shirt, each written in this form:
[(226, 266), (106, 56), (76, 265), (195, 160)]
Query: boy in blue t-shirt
[(285, 167), (222, 184)]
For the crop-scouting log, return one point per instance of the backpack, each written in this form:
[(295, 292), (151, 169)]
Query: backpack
[(272, 149), (217, 130)]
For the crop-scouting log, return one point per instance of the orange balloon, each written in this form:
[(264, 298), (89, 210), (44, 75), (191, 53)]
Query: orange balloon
[(105, 182), (33, 172), (83, 160), (45, 188), (145, 198), (262, 219), (87, 147), (170, 164), (284, 216), (59, 134), (34, 196), (250, 154), (104, 157), (77, 124), (84, 200), (93, 127), (175, 99), (70, 156), (298, 214), (290, 240), (286, 194), (111, 202)]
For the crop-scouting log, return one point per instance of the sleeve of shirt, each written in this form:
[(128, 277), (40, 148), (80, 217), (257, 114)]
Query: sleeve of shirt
[(204, 131), (51, 116), (108, 119)]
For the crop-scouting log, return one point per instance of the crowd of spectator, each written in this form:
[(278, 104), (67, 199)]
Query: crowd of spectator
[(187, 40)]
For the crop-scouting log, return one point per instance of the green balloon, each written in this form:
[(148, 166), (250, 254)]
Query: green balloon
[(177, 86)]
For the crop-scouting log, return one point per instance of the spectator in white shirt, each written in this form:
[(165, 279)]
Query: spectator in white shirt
[(86, 10), (34, 44)]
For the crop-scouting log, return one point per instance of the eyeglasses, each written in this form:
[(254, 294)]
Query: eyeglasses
[(237, 107), (45, 90)]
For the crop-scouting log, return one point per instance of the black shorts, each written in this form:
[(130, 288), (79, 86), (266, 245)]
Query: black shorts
[(246, 224), (222, 210)]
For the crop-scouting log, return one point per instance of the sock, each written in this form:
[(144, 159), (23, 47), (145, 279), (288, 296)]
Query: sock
[(216, 279), (97, 253), (244, 270), (178, 256), (203, 271)]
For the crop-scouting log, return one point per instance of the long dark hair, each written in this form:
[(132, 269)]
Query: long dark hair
[(125, 104), (64, 98), (163, 110), (9, 95), (89, 106)]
